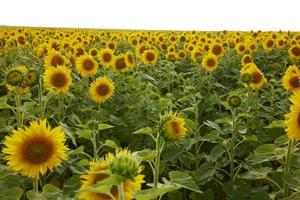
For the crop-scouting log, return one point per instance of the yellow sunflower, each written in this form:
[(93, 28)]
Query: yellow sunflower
[(101, 89), (268, 44), (174, 127), (149, 56), (54, 58), (246, 59), (210, 62), (216, 49), (120, 64), (294, 52), (129, 59), (86, 65), (257, 77), (290, 80), (93, 52), (35, 149), (292, 119), (106, 57), (58, 79)]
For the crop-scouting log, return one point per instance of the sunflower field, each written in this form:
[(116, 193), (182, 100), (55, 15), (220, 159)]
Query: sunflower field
[(120, 115)]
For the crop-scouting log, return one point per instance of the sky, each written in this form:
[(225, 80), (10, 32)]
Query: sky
[(269, 15)]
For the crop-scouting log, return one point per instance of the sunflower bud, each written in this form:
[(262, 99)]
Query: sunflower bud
[(234, 101), (124, 164), (14, 77), (246, 78)]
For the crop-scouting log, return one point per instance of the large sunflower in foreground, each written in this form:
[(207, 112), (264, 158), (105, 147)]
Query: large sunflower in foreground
[(292, 119), (210, 62), (101, 89), (98, 172), (35, 149), (86, 65), (290, 80), (174, 127), (294, 52), (58, 79)]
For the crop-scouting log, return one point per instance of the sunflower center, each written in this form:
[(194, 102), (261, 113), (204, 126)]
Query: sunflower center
[(241, 48), (79, 52), (120, 64), (106, 57), (57, 60), (175, 128), (181, 55), (294, 82), (296, 51), (88, 64), (38, 151), (270, 43), (21, 40), (256, 77), (130, 58), (247, 59), (59, 80), (217, 50), (102, 89), (94, 52), (111, 46), (280, 42), (150, 56), (211, 62)]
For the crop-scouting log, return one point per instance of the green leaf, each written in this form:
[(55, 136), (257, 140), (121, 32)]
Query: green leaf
[(144, 130), (256, 174), (111, 144), (276, 124), (155, 192), (102, 126), (146, 154), (87, 134), (184, 180), (14, 193), (71, 185)]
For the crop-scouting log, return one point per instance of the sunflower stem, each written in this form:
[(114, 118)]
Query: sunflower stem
[(157, 160), (232, 145), (40, 90), (61, 107), (35, 185), (287, 168), (18, 104), (121, 191), (94, 141)]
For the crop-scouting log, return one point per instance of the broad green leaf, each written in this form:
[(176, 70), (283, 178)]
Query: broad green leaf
[(102, 126), (184, 180), (146, 154), (256, 174), (111, 144), (87, 134), (153, 193), (276, 124), (14, 193)]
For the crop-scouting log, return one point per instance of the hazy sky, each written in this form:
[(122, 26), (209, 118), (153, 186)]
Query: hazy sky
[(154, 14)]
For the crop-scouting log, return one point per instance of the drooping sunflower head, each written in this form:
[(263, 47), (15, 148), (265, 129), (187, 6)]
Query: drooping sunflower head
[(292, 119), (14, 77), (174, 127), (120, 64), (102, 89), (149, 56), (86, 65), (97, 173), (35, 149), (58, 79), (54, 58), (106, 57), (210, 62), (31, 77), (291, 78), (124, 164)]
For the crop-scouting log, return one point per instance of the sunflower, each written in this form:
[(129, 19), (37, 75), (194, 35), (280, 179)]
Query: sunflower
[(129, 59), (174, 127), (294, 52), (93, 52), (86, 65), (292, 119), (181, 54), (149, 56), (97, 173), (216, 49), (14, 77), (54, 58), (58, 79), (35, 149), (101, 89), (31, 77), (268, 44), (210, 62), (257, 77), (290, 80), (120, 64), (246, 59), (196, 55), (106, 57)]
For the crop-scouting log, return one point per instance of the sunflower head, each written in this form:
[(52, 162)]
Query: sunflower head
[(35, 149), (54, 58), (106, 57), (210, 62), (149, 56), (234, 101), (291, 78), (31, 77), (14, 77), (86, 65), (174, 127), (294, 52), (124, 164), (120, 64), (58, 79), (101, 89), (292, 119)]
